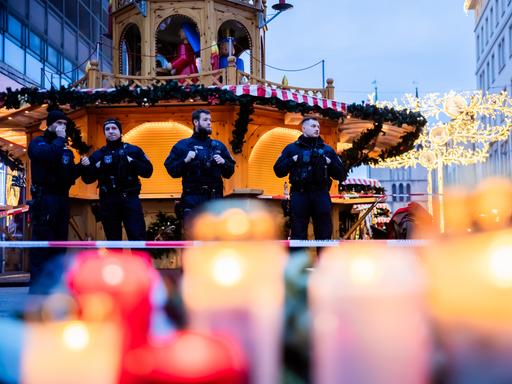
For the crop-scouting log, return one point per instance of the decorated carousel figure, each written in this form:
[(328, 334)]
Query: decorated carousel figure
[(185, 61), (227, 49)]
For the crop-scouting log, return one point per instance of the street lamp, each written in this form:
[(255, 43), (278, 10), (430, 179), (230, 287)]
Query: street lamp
[(279, 7)]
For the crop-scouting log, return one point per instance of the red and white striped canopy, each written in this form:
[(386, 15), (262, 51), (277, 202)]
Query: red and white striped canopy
[(362, 181), (283, 94), (264, 91)]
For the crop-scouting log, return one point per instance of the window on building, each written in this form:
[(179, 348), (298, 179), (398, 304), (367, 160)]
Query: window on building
[(54, 29), (58, 4), (70, 43), (478, 46), (393, 191), (34, 68), (71, 12), (510, 40), (37, 16), (14, 55), (14, 28), (501, 54), (53, 57), (1, 47), (488, 79), (493, 69), (491, 27), (482, 41), (84, 20), (408, 192), (497, 7), (35, 44), (486, 30), (83, 51), (401, 192), (19, 5)]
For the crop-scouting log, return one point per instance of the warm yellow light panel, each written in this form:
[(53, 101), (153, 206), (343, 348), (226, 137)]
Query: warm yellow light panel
[(156, 140), (264, 155)]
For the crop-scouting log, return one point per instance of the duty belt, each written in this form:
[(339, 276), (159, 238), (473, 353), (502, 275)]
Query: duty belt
[(200, 190)]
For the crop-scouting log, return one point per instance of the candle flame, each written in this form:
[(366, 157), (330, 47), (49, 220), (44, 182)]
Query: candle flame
[(227, 269), (237, 222), (500, 265), (362, 270), (112, 274), (75, 335)]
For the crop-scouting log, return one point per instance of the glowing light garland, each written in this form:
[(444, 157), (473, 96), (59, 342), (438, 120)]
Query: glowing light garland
[(465, 125)]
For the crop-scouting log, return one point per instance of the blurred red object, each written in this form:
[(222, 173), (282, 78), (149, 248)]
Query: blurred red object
[(189, 357), (127, 278)]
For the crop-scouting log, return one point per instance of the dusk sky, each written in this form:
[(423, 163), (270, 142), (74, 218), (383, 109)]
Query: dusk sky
[(396, 42)]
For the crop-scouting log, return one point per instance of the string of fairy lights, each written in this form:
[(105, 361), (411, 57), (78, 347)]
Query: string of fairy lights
[(462, 126)]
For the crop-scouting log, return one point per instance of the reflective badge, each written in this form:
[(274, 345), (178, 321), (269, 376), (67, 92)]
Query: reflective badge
[(66, 159), (107, 159)]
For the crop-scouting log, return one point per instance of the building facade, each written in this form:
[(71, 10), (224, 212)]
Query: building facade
[(493, 71), (403, 185), (44, 43)]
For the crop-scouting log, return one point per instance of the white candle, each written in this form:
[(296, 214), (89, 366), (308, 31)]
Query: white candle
[(71, 352), (469, 296), (368, 320), (238, 288)]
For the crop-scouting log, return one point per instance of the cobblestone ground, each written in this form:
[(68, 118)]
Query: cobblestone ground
[(12, 300)]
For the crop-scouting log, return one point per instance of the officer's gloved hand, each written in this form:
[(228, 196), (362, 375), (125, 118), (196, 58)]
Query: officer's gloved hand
[(84, 160), (190, 156), (218, 159)]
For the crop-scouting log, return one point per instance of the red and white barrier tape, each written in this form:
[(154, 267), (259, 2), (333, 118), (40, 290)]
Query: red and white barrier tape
[(14, 211), (192, 243)]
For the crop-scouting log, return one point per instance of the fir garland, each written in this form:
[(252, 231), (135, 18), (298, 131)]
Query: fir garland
[(14, 164), (172, 90)]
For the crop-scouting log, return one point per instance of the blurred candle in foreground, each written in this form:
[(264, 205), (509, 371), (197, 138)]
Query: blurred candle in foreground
[(368, 320), (71, 351), (470, 297), (238, 287)]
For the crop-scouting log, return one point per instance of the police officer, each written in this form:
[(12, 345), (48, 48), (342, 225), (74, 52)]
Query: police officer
[(312, 165), (53, 173), (117, 167), (201, 162)]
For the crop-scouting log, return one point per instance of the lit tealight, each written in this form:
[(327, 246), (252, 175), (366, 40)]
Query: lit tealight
[(500, 266), (236, 222), (227, 269), (362, 270), (112, 274), (75, 336)]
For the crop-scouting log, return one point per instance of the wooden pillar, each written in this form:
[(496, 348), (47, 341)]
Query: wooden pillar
[(231, 73), (208, 31), (329, 89), (93, 75)]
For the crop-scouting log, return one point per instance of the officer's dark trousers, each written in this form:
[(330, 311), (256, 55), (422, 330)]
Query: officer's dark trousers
[(310, 204), (191, 201), (117, 209), (49, 223)]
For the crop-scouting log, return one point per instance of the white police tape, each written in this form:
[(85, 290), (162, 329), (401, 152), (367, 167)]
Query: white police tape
[(195, 243)]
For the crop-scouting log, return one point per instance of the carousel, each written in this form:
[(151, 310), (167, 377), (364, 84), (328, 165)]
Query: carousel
[(172, 57)]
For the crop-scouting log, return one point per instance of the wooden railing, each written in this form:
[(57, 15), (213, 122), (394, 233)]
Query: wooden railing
[(230, 75), (245, 77)]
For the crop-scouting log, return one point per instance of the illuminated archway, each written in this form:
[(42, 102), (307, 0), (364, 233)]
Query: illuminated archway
[(264, 155), (156, 140)]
